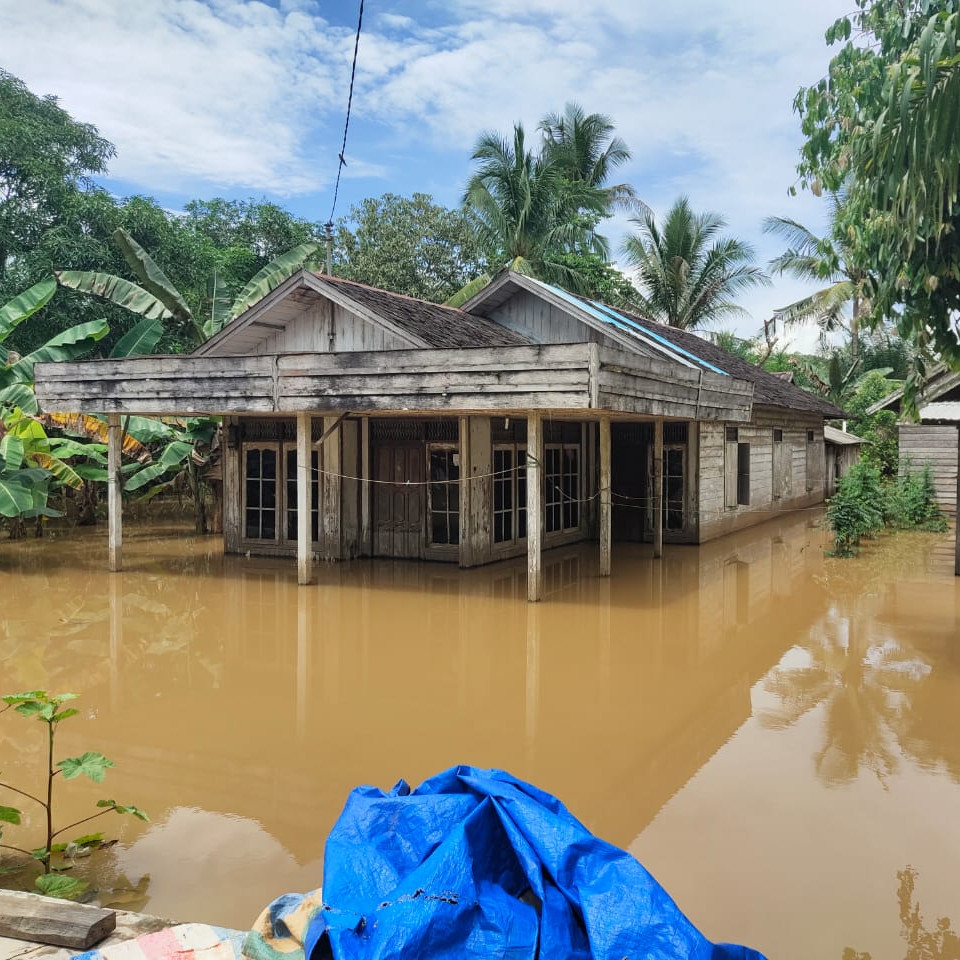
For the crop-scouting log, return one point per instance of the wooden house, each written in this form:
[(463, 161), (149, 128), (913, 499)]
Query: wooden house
[(359, 422), (933, 439), (843, 452)]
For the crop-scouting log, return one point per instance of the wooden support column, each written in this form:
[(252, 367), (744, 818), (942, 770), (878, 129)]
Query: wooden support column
[(464, 489), (956, 516), (330, 500), (304, 489), (366, 546), (534, 506), (658, 488), (230, 453), (606, 498), (114, 493)]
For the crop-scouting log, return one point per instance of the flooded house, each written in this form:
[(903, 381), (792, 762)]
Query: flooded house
[(932, 440), (363, 423)]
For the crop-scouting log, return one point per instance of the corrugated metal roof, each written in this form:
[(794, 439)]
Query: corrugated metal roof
[(941, 410), (840, 437)]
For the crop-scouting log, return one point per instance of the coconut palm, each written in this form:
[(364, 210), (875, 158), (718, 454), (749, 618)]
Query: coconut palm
[(524, 213), (688, 273), (818, 260), (585, 149)]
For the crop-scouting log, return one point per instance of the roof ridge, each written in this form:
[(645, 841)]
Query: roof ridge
[(404, 296)]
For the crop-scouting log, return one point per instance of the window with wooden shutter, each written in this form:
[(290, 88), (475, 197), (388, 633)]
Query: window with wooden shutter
[(743, 474)]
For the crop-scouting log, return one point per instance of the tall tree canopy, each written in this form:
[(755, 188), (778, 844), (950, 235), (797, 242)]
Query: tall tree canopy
[(885, 123), (689, 274), (409, 245), (46, 159), (818, 260), (535, 206)]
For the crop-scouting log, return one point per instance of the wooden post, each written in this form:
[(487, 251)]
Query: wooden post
[(304, 490), (232, 488), (366, 547), (658, 488), (330, 500), (464, 489), (606, 498), (534, 506), (114, 493), (956, 516)]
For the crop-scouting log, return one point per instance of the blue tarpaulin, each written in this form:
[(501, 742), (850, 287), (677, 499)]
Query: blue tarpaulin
[(475, 863)]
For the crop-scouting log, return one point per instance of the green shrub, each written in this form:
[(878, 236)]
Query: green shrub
[(912, 502), (856, 511), (864, 504)]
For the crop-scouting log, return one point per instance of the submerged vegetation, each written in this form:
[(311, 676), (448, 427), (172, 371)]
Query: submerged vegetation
[(865, 503), (56, 857)]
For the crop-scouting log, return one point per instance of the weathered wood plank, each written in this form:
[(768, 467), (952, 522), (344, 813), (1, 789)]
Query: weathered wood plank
[(534, 506), (330, 492), (58, 923), (304, 487), (114, 494), (606, 525), (658, 488)]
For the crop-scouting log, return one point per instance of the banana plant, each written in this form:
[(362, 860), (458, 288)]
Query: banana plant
[(157, 299)]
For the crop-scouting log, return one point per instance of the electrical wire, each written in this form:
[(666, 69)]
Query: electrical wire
[(346, 125)]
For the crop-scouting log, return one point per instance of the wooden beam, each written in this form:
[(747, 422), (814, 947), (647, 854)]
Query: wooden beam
[(465, 491), (606, 496), (330, 498), (231, 484), (304, 490), (54, 922), (366, 546), (114, 494), (534, 506), (658, 488)]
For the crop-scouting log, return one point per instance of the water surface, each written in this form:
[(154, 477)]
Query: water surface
[(772, 732)]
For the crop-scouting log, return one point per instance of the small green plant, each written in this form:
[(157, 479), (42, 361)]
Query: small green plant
[(49, 709)]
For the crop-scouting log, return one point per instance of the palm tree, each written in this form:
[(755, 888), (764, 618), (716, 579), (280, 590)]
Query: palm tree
[(585, 149), (523, 213), (689, 275), (818, 259)]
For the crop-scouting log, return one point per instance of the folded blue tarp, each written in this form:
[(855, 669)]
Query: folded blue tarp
[(475, 863)]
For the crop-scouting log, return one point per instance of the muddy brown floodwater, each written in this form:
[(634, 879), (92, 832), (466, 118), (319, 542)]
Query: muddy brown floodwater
[(773, 733)]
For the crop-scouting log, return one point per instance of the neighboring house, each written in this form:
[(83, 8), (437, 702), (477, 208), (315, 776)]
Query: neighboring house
[(932, 440), (843, 452), (359, 422)]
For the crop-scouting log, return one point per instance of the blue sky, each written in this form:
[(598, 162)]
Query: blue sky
[(242, 98)]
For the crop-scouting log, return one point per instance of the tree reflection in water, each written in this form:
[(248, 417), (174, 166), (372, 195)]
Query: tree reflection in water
[(939, 943)]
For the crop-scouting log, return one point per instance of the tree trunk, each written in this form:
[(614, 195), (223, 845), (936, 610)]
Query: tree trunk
[(855, 331)]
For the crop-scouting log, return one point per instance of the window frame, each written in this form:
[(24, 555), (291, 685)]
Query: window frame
[(316, 481), (279, 513), (743, 474), (566, 500), (454, 450), (514, 483)]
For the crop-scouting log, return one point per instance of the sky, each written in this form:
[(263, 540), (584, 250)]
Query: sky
[(246, 99)]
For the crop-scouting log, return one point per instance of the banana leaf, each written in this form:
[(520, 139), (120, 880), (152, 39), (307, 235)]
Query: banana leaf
[(15, 496), (142, 339), (11, 449), (19, 395), (271, 276), (26, 304), (94, 428), (59, 469), (67, 345), (173, 455), (151, 276), (117, 290)]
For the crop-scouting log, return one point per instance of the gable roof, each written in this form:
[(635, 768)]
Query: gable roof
[(651, 338), (841, 438), (436, 325), (415, 323), (941, 381)]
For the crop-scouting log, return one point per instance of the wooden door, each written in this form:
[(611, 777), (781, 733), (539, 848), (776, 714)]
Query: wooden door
[(398, 501), (629, 466)]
